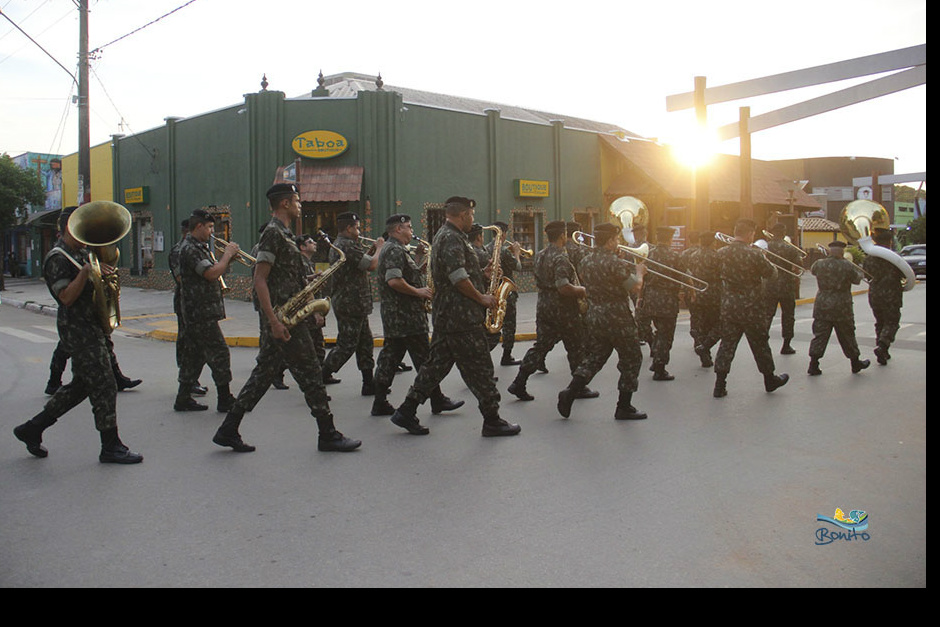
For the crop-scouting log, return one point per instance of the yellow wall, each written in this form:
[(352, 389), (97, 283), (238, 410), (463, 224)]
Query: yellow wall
[(102, 179)]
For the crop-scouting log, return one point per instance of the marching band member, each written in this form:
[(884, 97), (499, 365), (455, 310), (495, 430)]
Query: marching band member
[(279, 274), (885, 296)]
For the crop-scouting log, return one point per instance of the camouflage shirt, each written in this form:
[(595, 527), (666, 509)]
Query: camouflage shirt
[(702, 263), (885, 291), (482, 256), (78, 323), (742, 269), (553, 270), (609, 281), (784, 285), (201, 299), (835, 278), (660, 295), (507, 261), (402, 315), (575, 251), (352, 294), (453, 259), (288, 271)]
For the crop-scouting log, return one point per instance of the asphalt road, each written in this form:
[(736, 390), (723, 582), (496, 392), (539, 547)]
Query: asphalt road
[(707, 492)]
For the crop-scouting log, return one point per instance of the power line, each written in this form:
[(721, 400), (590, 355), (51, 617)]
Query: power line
[(136, 30), (38, 45)]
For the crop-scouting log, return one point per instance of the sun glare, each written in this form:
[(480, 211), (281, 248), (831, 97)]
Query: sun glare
[(695, 147)]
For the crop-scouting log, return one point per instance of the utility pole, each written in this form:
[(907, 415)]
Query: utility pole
[(84, 131)]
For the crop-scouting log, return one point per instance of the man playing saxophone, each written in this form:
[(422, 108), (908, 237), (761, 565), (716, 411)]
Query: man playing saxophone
[(459, 337), (280, 274)]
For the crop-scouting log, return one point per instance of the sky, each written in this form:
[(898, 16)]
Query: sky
[(614, 61)]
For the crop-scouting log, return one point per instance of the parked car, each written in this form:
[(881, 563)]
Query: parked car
[(916, 256)]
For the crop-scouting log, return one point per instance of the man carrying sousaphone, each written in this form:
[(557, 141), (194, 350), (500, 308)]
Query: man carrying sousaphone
[(280, 274), (68, 273)]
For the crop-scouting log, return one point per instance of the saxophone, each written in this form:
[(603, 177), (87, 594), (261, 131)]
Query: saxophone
[(303, 304), (500, 286)]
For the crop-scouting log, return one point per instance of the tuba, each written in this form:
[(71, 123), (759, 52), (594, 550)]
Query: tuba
[(630, 212), (99, 225), (500, 286), (302, 305), (858, 220)]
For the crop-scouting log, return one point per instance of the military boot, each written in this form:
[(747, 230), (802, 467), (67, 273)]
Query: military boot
[(881, 354), (331, 440), (786, 349), (625, 409), (567, 396), (227, 434), (774, 381), (185, 402), (113, 451), (721, 385), (859, 364), (517, 388), (441, 403), (30, 433), (814, 370), (368, 385)]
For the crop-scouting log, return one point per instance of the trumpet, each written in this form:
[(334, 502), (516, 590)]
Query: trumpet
[(769, 256), (241, 256), (786, 240), (641, 252)]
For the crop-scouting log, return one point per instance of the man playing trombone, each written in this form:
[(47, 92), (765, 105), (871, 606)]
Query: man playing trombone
[(784, 287), (659, 302), (742, 268)]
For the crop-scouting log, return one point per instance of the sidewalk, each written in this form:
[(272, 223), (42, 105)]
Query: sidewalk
[(149, 313)]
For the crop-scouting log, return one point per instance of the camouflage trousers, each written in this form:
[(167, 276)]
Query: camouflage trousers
[(887, 323), (469, 351), (392, 353), (663, 329), (353, 337), (319, 347), (547, 334), (600, 342), (92, 378), (202, 343), (704, 326), (757, 338), (61, 355), (298, 353), (787, 313), (845, 332)]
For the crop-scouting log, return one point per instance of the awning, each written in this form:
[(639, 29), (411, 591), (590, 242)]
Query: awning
[(320, 183), (44, 218)]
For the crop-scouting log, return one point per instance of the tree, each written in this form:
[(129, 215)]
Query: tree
[(916, 232), (18, 189)]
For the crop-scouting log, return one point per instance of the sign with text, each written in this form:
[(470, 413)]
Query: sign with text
[(526, 188), (137, 195), (319, 144)]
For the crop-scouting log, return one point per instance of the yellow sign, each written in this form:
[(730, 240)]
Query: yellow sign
[(531, 189), (319, 144), (136, 195)]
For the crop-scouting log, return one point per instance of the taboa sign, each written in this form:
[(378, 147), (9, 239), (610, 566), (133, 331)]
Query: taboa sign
[(319, 144)]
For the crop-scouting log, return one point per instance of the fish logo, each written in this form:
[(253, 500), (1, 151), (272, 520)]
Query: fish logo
[(856, 520)]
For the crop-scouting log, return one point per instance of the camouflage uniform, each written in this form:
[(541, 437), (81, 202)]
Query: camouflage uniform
[(833, 308), (660, 305), (742, 269), (885, 296), (509, 265), (404, 319), (557, 319), (783, 289), (459, 336), (316, 331), (352, 304), (202, 308), (609, 322), (83, 338), (704, 307), (575, 252), (287, 277), (173, 259)]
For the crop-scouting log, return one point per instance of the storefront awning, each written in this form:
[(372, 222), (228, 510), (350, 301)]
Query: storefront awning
[(319, 183), (45, 218)]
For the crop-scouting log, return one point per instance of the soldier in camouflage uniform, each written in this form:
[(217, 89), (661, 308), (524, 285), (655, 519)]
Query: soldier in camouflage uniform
[(173, 259), (784, 288), (704, 307), (574, 250), (557, 314), (476, 242), (509, 264), (742, 268), (404, 318), (280, 274), (609, 323), (885, 296), (458, 312), (67, 271), (203, 307), (659, 303), (352, 302), (833, 308)]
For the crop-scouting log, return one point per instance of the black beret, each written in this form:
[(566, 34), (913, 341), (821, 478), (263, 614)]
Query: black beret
[(837, 244), (300, 240), (200, 216), (64, 217), (280, 189), (571, 227), (460, 200), (347, 216), (555, 225), (398, 218), (664, 233), (185, 223), (502, 225), (606, 228)]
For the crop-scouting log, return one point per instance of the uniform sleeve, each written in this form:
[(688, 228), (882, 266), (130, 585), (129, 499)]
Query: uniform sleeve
[(268, 246), (563, 271), (195, 259), (58, 273), (453, 258), (394, 262)]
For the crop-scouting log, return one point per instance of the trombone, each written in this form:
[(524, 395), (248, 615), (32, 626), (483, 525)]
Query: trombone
[(769, 256), (241, 256), (642, 254), (848, 257), (786, 240)]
